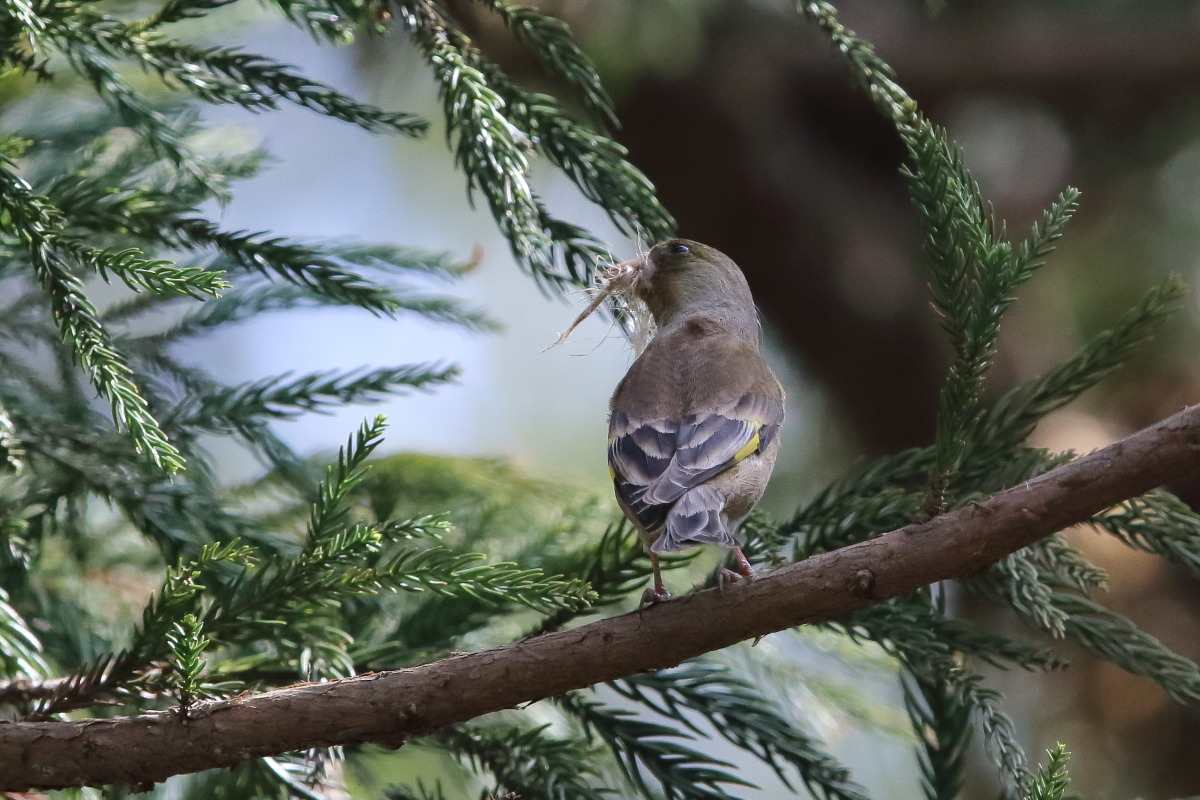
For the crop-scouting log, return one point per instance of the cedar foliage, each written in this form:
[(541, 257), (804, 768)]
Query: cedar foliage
[(316, 571)]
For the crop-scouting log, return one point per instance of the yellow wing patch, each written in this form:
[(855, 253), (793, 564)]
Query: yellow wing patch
[(750, 446)]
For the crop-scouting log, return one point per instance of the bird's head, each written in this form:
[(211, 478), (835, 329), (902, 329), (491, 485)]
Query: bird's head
[(680, 277)]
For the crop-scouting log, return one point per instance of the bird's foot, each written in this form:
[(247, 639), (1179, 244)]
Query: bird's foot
[(658, 593), (744, 571), (743, 564), (727, 576), (652, 596)]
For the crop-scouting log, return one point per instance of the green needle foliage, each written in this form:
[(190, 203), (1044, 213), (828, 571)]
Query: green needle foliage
[(942, 723), (133, 578), (650, 753), (742, 716), (527, 763), (1051, 781), (186, 643)]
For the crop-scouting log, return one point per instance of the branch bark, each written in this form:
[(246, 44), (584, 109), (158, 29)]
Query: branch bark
[(391, 708)]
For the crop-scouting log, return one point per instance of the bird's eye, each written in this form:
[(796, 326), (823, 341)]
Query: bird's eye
[(679, 249)]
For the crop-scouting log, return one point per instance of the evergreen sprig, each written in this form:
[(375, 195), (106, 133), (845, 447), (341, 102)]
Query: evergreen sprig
[(1119, 640), (285, 396), (931, 659), (922, 629), (489, 149), (186, 643), (1054, 605), (1015, 414), (275, 256), (178, 10), (1159, 523), (1018, 582), (741, 715), (494, 125), (1051, 781), (1053, 556), (20, 650), (32, 220), (121, 672), (445, 572), (227, 75), (329, 22), (974, 269), (642, 748), (549, 39), (942, 722), (526, 762), (160, 277), (595, 163)]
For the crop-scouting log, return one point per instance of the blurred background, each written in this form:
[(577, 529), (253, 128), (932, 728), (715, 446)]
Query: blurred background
[(747, 123)]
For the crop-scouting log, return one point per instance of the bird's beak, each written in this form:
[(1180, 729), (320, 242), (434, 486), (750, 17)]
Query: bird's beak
[(628, 276), (626, 270), (633, 264)]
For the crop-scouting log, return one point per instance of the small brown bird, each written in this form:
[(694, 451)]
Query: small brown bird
[(694, 424)]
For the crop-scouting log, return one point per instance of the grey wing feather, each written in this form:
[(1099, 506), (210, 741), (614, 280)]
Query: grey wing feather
[(706, 446), (698, 518), (636, 459), (655, 463)]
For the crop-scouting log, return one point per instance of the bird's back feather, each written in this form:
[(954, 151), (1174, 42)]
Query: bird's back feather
[(696, 403)]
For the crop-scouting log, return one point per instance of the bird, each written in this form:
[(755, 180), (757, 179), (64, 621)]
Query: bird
[(693, 428)]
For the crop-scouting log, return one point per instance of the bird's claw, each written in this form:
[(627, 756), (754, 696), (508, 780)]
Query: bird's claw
[(743, 572), (728, 576), (651, 597)]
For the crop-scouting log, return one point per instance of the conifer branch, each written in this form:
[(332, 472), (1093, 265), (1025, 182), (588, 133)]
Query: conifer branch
[(328, 21), (37, 225), (20, 651), (299, 264), (922, 629), (283, 396), (1116, 638), (550, 40), (394, 707), (1051, 781), (644, 748), (741, 715), (942, 723), (595, 163), (176, 10), (135, 112), (529, 763), (1159, 523), (489, 149), (10, 444), (443, 572), (226, 75)]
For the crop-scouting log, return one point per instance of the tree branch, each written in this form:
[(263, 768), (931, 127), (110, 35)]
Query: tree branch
[(391, 708)]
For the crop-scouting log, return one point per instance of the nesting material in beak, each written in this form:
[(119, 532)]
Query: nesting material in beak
[(619, 281)]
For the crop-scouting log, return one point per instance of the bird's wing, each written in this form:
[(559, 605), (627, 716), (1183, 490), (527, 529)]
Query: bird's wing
[(709, 443), (656, 457)]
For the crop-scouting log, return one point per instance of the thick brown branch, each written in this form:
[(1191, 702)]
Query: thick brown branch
[(393, 707)]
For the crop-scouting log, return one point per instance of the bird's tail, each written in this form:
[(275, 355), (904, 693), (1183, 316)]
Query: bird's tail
[(698, 517)]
